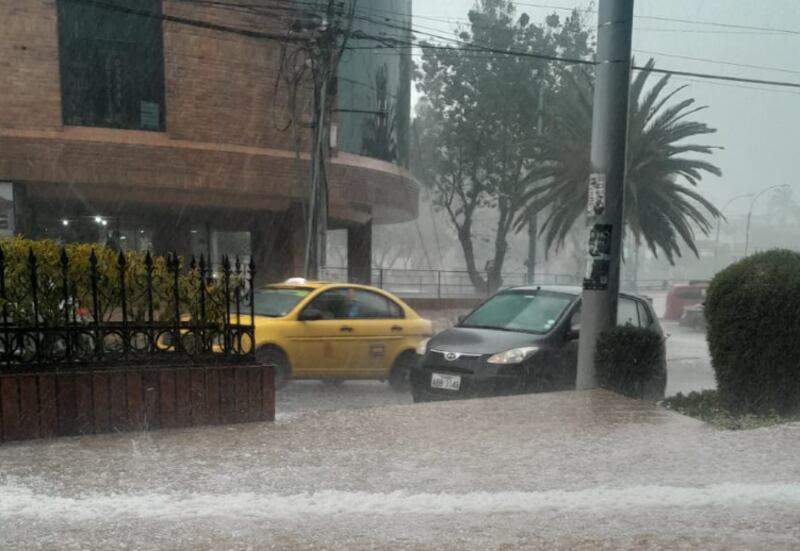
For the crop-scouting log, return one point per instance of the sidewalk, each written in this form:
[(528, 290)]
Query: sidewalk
[(555, 471)]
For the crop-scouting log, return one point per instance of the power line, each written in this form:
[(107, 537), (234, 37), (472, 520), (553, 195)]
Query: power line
[(719, 62), (675, 20), (707, 31), (722, 25), (557, 58), (740, 86), (576, 61), (488, 50), (480, 49), (709, 76), (279, 37)]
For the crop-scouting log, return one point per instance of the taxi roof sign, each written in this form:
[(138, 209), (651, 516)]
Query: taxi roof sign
[(296, 281)]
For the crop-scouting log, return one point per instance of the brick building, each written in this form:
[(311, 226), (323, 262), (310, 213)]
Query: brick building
[(164, 130)]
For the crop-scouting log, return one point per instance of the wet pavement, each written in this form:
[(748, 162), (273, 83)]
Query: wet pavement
[(688, 364), (554, 471)]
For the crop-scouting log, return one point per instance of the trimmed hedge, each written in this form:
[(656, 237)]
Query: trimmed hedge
[(753, 315), (631, 361), (50, 290)]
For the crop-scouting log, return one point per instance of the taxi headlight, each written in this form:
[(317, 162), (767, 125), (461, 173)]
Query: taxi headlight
[(513, 356)]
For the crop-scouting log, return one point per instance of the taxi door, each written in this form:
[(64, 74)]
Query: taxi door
[(379, 324), (324, 342)]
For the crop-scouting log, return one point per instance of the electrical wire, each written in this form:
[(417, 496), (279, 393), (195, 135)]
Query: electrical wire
[(479, 48), (676, 20), (719, 62), (576, 61), (710, 76), (278, 37)]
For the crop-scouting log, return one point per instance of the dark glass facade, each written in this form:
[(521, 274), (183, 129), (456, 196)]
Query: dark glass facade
[(112, 64), (374, 88)]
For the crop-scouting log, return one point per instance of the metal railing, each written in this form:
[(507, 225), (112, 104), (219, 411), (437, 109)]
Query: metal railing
[(440, 283), (457, 284), (108, 309)]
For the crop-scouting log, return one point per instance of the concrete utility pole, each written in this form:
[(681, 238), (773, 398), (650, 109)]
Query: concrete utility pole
[(607, 183), (331, 31), (533, 223)]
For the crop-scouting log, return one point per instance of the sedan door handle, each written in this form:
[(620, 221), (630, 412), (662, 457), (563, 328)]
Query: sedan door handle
[(346, 329), (396, 328)]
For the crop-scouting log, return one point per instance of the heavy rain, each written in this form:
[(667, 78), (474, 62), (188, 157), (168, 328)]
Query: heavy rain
[(401, 275)]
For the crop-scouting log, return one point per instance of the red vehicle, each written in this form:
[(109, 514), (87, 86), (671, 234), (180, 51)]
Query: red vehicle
[(682, 296)]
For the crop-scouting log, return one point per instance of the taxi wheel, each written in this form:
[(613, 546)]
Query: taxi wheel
[(269, 355), (399, 377)]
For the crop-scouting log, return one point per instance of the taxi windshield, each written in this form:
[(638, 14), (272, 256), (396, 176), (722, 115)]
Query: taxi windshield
[(276, 302)]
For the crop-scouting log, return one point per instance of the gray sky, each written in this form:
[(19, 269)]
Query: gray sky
[(757, 125)]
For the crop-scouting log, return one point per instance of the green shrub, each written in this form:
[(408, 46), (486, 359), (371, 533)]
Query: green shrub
[(50, 287), (631, 361), (753, 315)]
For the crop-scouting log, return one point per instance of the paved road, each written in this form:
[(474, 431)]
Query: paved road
[(689, 368), (572, 470)]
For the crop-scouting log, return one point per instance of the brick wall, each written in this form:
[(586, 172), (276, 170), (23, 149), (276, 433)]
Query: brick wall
[(30, 96), (44, 405), (221, 142)]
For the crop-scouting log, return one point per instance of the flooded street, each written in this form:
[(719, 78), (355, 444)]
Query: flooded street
[(688, 365), (507, 473)]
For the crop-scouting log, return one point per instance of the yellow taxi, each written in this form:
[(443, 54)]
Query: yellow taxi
[(335, 331)]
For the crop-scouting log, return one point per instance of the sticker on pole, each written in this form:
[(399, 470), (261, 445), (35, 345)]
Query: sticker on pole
[(597, 194), (598, 262)]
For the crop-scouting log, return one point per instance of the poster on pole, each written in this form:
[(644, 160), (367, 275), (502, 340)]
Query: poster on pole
[(597, 194), (598, 263)]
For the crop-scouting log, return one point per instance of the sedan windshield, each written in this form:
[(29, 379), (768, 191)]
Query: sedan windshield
[(276, 302), (532, 312)]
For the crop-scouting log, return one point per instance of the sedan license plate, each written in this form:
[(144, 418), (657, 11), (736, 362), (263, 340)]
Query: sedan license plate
[(446, 382)]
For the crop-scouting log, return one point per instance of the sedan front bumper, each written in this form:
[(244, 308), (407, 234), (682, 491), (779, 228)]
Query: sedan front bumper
[(476, 380)]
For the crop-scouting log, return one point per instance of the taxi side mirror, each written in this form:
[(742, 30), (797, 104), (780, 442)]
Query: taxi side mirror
[(310, 314)]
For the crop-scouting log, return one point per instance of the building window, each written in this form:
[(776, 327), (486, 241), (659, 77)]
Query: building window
[(112, 64)]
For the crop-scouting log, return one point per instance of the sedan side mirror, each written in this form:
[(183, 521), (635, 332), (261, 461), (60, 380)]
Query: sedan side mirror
[(311, 314), (461, 319), (574, 332)]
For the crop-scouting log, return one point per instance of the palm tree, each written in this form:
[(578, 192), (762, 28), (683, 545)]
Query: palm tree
[(659, 208)]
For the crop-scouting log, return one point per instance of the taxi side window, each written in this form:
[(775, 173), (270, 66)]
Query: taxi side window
[(368, 305), (332, 304)]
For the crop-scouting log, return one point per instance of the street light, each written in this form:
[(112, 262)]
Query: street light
[(750, 213), (719, 223)]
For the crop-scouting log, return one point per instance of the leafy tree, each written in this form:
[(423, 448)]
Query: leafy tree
[(474, 129), (659, 208)]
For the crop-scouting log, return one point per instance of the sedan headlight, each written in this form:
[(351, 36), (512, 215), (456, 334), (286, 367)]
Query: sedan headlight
[(513, 356), (422, 347)]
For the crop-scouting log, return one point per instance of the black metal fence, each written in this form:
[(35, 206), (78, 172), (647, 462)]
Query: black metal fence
[(107, 309)]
